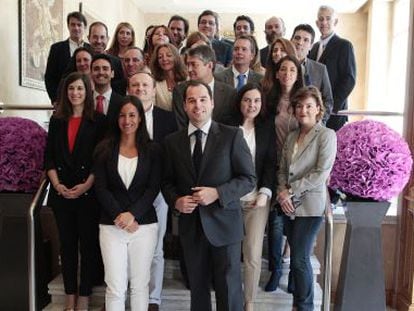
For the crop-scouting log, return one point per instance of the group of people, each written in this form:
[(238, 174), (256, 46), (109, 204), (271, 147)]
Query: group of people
[(230, 138)]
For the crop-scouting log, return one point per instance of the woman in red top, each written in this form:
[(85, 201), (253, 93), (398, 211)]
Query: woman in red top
[(74, 131)]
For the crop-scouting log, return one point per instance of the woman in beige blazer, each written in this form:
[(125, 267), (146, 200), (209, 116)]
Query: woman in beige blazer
[(306, 162)]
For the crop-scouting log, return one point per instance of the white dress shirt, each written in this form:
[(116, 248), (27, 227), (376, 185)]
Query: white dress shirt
[(107, 98), (205, 129)]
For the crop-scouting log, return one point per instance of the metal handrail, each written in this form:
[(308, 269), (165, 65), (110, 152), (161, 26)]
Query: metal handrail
[(327, 278), (27, 107), (34, 207)]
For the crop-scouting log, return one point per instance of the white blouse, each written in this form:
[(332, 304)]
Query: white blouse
[(127, 168)]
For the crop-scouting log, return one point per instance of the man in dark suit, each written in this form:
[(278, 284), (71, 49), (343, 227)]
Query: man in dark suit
[(98, 38), (106, 100), (208, 167), (132, 62), (313, 73), (338, 56), (274, 28), (239, 73), (61, 53), (159, 123), (200, 64), (243, 25), (208, 24)]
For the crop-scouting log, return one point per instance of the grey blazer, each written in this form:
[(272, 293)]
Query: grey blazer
[(307, 172), (227, 77), (316, 74)]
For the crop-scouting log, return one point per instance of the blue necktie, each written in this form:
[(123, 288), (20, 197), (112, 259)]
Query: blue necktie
[(240, 81)]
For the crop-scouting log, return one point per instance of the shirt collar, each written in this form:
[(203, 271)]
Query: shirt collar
[(205, 128), (150, 110), (236, 73), (107, 94), (326, 40)]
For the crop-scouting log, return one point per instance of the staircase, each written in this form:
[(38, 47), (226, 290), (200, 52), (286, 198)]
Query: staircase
[(176, 297)]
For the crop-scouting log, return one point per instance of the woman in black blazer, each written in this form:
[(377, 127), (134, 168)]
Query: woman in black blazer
[(128, 177), (259, 133), (74, 131)]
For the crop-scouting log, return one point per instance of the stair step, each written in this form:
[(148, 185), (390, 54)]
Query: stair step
[(176, 297)]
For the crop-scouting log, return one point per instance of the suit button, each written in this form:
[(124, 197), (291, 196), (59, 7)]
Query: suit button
[(82, 167), (59, 168), (291, 174)]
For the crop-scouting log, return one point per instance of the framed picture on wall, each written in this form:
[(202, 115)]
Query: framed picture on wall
[(41, 25)]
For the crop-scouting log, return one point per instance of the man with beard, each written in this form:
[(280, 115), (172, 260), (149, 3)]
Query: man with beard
[(106, 100), (274, 28)]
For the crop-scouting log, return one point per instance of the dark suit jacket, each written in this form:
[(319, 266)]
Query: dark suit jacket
[(316, 74), (339, 58), (72, 168), (223, 51), (57, 62), (113, 108), (138, 199), (226, 165), (223, 96), (227, 76), (120, 86), (163, 124), (117, 66), (265, 157), (263, 56)]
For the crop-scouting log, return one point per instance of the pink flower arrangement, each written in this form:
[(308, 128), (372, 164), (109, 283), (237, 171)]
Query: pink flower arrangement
[(22, 145), (372, 161)]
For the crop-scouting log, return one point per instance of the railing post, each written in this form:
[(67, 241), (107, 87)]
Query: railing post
[(34, 206)]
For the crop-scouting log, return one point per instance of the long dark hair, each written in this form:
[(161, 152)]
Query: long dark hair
[(269, 78), (64, 108), (272, 97), (113, 137), (239, 118)]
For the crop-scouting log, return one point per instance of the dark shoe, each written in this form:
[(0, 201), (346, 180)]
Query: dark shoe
[(273, 282), (153, 307)]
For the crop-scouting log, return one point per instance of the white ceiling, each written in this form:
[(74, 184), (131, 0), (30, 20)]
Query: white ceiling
[(271, 7)]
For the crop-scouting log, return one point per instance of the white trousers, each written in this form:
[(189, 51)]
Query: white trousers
[(127, 257), (157, 265)]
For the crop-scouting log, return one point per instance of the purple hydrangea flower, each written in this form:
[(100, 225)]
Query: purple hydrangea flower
[(373, 161), (22, 145)]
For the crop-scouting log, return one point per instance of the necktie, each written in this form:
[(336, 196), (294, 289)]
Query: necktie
[(320, 51), (240, 81), (198, 150), (100, 103)]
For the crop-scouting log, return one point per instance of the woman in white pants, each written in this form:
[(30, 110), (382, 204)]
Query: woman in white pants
[(128, 174)]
